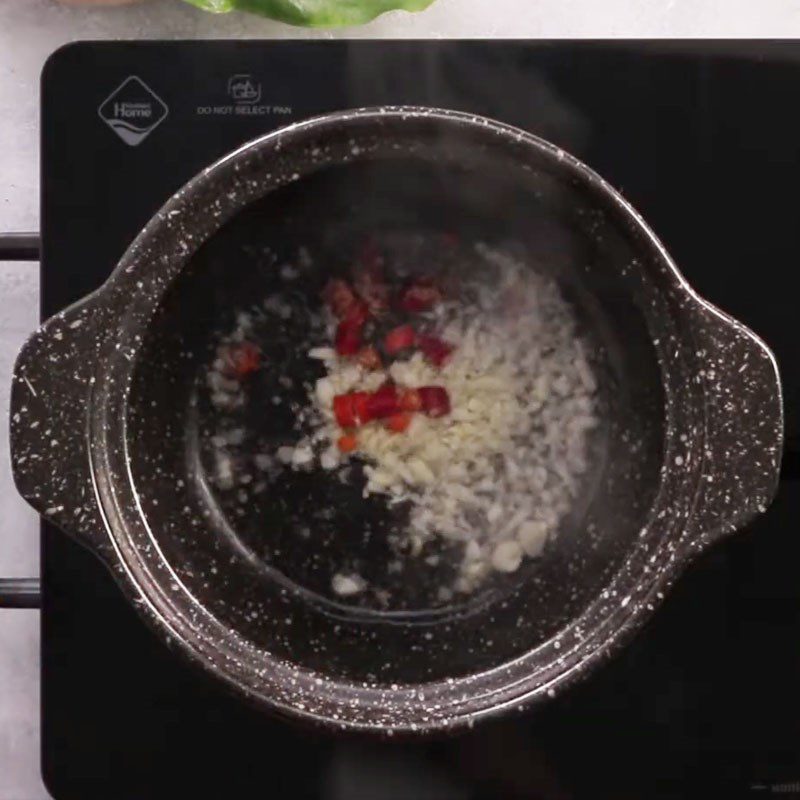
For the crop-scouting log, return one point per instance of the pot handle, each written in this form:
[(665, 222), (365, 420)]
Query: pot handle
[(20, 592), (50, 400), (743, 441)]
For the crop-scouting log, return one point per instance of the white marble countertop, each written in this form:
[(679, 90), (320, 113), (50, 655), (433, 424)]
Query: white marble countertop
[(31, 29)]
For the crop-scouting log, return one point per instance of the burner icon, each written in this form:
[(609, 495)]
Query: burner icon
[(244, 89), (133, 111)]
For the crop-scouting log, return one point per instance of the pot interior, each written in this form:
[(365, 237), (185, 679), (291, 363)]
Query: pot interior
[(262, 562)]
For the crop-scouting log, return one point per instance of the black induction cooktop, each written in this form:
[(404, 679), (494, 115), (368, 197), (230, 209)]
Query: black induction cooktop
[(704, 139)]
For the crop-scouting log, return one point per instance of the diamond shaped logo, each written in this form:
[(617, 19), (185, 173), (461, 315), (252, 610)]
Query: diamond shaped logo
[(133, 111)]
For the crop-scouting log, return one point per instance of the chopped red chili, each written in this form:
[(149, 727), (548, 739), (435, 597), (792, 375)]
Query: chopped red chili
[(422, 295), (348, 332), (410, 400), (348, 338), (359, 408), (369, 358), (347, 443), (349, 409), (398, 423), (383, 403), (399, 339), (435, 350), (435, 400), (370, 282), (339, 297), (241, 359)]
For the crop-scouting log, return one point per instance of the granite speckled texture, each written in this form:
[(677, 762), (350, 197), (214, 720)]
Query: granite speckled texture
[(706, 458)]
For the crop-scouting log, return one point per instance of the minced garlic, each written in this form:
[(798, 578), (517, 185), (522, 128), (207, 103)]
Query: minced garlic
[(499, 472)]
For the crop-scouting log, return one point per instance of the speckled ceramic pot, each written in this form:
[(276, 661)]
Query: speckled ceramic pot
[(103, 423)]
